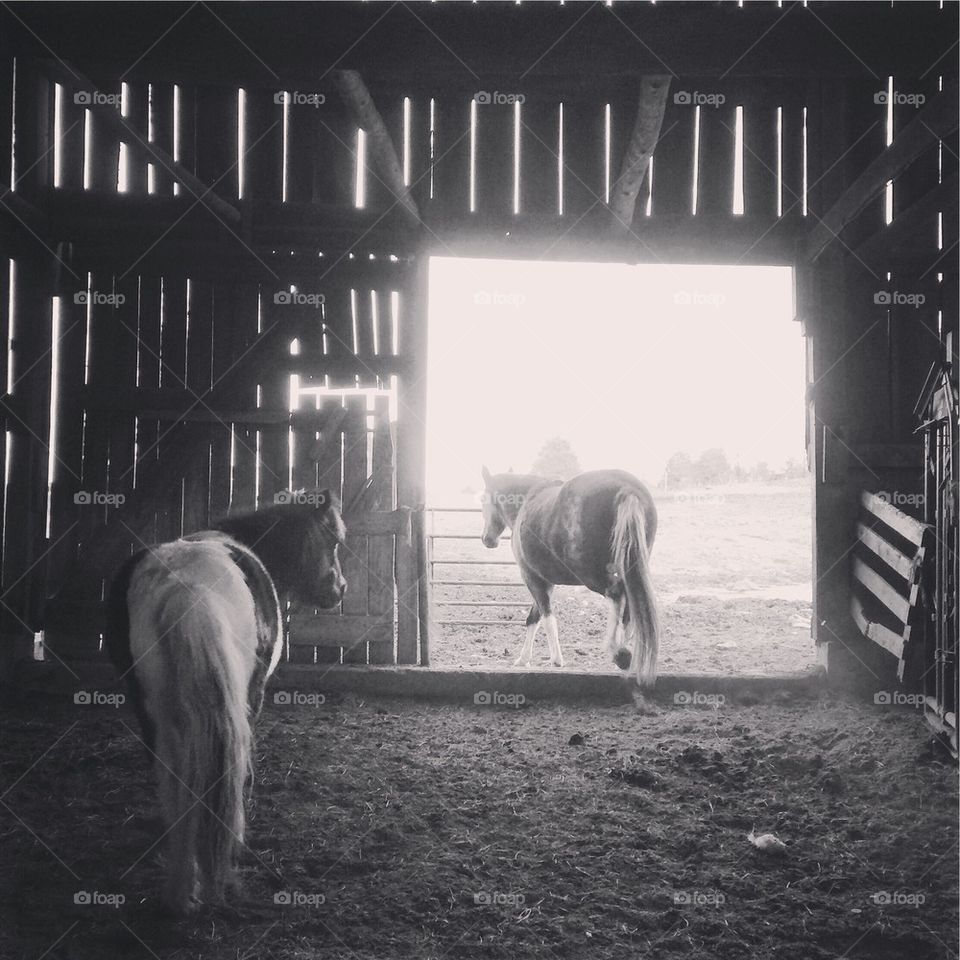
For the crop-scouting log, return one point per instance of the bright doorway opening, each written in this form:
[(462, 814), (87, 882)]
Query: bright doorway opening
[(690, 377)]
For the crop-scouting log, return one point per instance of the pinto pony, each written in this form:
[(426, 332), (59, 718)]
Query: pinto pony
[(596, 530), (195, 628)]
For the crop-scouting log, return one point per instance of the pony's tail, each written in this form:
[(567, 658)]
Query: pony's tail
[(204, 746), (632, 563)]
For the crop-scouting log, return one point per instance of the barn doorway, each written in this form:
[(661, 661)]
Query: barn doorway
[(691, 377)]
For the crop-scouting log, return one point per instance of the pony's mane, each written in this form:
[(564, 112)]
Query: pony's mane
[(283, 534)]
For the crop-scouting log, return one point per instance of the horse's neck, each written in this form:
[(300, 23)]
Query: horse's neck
[(522, 492)]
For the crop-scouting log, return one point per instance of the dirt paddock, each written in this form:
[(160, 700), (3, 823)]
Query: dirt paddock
[(396, 828)]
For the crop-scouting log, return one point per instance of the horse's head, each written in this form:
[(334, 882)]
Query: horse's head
[(321, 581), (494, 522)]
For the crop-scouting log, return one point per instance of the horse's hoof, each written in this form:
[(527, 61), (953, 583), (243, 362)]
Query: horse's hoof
[(622, 659)]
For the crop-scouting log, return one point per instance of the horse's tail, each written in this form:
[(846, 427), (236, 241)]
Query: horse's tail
[(193, 639), (631, 559)]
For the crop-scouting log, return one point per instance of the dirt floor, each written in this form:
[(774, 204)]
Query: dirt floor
[(391, 828), (732, 571)]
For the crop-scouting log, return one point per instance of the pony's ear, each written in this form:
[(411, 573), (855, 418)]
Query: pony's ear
[(487, 478), (324, 499)]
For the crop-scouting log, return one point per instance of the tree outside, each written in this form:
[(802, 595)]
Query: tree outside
[(556, 459)]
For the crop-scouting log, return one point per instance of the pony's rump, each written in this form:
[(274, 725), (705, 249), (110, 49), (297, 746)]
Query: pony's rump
[(192, 622)]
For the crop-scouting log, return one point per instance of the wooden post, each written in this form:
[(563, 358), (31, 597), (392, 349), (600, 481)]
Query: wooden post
[(640, 148)]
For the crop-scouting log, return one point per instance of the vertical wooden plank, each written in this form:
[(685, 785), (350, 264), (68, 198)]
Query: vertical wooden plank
[(494, 160), (173, 353), (715, 186), (381, 549), (673, 158), (303, 131), (26, 496), (364, 325), (70, 145), (161, 106), (411, 446), (186, 133), (26, 493), (136, 108), (407, 594), (335, 157), (424, 600), (539, 144), (583, 154), (263, 138), (217, 164), (451, 165), (421, 147), (759, 151), (148, 431), (224, 314), (355, 560), (197, 435), (275, 396), (104, 146), (243, 331)]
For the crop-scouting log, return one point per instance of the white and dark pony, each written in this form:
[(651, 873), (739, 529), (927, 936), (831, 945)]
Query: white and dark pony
[(195, 628), (597, 530)]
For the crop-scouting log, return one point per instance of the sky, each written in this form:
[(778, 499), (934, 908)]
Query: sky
[(628, 363)]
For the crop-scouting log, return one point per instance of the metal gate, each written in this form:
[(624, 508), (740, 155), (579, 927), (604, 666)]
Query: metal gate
[(472, 567)]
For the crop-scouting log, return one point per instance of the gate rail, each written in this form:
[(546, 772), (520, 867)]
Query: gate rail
[(449, 580)]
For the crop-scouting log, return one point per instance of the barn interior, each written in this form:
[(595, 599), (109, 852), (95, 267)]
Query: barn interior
[(202, 202)]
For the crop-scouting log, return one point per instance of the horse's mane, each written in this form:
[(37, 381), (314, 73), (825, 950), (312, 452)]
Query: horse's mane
[(508, 483), (285, 534)]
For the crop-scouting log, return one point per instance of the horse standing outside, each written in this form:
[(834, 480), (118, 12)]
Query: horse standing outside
[(597, 530)]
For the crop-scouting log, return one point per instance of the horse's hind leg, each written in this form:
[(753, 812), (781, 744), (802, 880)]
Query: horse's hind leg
[(533, 624)]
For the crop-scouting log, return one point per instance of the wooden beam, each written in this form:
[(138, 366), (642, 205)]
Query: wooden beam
[(636, 157), (364, 113), (75, 83), (906, 526), (400, 44), (937, 120), (912, 232)]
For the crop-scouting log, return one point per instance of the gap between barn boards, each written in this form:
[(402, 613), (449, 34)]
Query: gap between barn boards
[(456, 685)]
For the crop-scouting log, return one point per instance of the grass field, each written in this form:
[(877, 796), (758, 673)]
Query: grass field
[(731, 568)]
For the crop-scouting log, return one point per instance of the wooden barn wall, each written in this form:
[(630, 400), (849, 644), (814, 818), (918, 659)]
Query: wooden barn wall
[(876, 308), (173, 341)]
